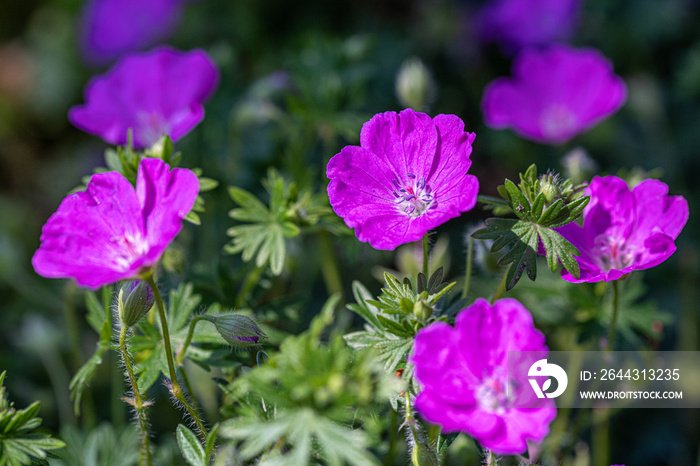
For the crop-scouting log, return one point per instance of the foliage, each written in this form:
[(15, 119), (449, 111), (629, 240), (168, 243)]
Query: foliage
[(299, 403), (289, 211), (541, 204), (20, 443)]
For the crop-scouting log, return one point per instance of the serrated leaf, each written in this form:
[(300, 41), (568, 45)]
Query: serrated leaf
[(558, 249), (246, 200), (190, 447), (551, 212), (435, 281), (366, 310), (537, 207), (394, 327), (521, 205)]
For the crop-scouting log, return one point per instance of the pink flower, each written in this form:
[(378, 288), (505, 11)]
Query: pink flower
[(110, 28), (464, 373), (517, 24), (555, 94), (624, 230), (408, 176), (113, 232), (156, 93)]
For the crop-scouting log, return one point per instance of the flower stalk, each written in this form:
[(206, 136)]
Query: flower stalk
[(176, 390), (137, 402)]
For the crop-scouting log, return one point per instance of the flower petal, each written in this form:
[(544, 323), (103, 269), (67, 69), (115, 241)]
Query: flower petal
[(95, 237), (166, 197)]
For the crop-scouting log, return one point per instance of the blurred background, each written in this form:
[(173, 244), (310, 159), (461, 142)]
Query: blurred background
[(298, 80)]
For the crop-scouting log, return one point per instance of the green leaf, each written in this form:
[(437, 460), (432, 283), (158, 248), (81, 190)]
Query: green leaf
[(558, 249), (211, 441), (207, 184), (363, 308), (394, 327), (521, 206), (190, 447)]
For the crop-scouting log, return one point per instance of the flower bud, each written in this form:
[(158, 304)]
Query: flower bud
[(135, 300), (414, 85), (549, 186), (422, 310), (238, 330)]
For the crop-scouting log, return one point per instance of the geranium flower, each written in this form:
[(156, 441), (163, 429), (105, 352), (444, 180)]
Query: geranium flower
[(555, 94), (111, 231), (111, 28), (408, 176), (465, 378), (516, 24), (156, 93), (624, 230)]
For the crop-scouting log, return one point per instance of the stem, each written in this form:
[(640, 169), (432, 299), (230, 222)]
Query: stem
[(181, 355), (248, 285), (175, 386), (501, 286), (613, 323), (329, 265), (490, 458), (138, 404), (426, 248), (468, 273)]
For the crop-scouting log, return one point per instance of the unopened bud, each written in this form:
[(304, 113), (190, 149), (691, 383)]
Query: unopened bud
[(549, 188), (238, 330), (414, 85), (422, 310), (135, 300)]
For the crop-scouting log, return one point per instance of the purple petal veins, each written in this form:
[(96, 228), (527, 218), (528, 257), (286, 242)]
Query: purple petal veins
[(408, 176), (624, 230)]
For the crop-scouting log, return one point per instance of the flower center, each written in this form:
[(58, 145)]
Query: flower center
[(128, 249), (613, 253), (152, 126), (492, 393), (414, 197), (558, 121)]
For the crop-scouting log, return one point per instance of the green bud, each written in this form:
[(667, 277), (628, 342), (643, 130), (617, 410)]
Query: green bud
[(134, 301), (238, 330), (422, 310), (414, 85), (549, 186)]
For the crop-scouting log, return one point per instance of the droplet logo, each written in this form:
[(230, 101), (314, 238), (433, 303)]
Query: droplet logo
[(542, 368)]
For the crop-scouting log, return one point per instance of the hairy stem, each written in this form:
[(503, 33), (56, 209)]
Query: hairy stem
[(175, 387), (613, 323), (138, 404), (181, 355)]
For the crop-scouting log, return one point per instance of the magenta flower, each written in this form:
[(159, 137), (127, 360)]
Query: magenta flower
[(408, 176), (111, 28), (156, 93), (624, 230), (516, 24), (113, 232), (464, 374), (555, 94)]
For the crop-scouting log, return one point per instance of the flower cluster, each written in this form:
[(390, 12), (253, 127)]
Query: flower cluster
[(113, 232), (408, 176), (624, 230), (151, 94), (555, 94)]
